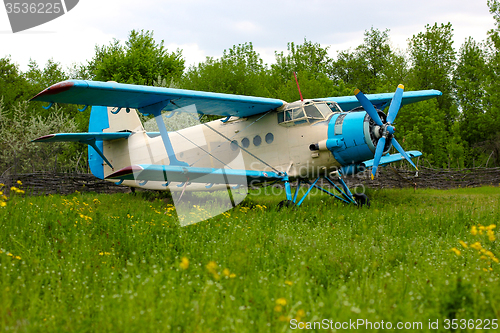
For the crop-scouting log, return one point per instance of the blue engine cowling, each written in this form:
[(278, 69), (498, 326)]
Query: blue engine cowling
[(352, 138)]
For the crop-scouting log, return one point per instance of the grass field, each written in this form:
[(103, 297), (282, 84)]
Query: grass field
[(121, 263)]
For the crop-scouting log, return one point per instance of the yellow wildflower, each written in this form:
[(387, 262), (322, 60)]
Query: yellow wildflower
[(226, 272), (473, 230), (301, 313), (464, 244), (476, 246), (288, 283), (278, 308), (211, 266), (281, 301), (184, 263), (457, 252)]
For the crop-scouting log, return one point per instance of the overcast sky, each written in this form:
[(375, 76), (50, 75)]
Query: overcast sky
[(206, 28)]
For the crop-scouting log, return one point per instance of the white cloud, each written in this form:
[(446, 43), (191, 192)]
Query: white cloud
[(203, 28)]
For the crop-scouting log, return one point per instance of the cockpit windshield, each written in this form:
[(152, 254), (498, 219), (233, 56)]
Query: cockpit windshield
[(306, 112)]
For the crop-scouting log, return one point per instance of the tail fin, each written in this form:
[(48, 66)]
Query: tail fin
[(103, 119)]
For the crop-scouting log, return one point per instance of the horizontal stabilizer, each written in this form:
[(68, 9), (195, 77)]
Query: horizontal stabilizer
[(89, 138), (82, 137), (175, 173), (391, 158)]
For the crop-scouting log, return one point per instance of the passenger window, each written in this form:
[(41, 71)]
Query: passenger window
[(245, 142), (269, 138), (257, 140), (234, 145)]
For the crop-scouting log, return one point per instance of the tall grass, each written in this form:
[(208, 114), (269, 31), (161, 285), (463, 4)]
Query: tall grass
[(121, 263)]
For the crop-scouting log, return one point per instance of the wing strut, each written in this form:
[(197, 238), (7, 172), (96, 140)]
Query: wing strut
[(155, 110)]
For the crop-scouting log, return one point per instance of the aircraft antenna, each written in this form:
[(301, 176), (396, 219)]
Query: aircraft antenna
[(298, 87)]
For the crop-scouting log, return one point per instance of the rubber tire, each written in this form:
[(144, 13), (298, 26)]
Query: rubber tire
[(285, 204), (361, 200)]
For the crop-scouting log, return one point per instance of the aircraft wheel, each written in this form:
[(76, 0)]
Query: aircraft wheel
[(285, 204), (361, 200)]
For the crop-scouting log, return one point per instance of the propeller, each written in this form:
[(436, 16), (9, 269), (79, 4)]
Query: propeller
[(387, 129)]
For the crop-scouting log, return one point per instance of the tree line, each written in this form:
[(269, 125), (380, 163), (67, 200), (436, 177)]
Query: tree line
[(458, 129)]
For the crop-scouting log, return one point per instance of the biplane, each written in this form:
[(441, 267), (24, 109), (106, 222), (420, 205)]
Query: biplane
[(256, 140)]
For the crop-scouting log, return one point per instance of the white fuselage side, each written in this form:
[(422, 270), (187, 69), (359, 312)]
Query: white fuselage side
[(253, 143)]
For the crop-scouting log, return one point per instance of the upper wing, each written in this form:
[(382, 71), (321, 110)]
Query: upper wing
[(380, 101), (138, 97)]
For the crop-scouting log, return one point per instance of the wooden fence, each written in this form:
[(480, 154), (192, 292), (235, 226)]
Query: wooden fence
[(388, 177), (60, 183)]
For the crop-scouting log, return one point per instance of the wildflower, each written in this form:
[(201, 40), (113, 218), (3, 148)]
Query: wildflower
[(19, 182), (473, 230), (281, 301), (476, 246), (491, 235), (457, 252), (464, 244), (278, 308), (301, 313), (184, 263), (211, 266), (232, 275), (288, 283), (226, 272)]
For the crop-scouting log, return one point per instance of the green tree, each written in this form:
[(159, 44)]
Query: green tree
[(469, 81), (433, 59), (313, 67), (140, 61), (240, 71), (373, 66), (13, 85), (491, 101)]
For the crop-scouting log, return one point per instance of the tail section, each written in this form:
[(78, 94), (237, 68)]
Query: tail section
[(107, 120)]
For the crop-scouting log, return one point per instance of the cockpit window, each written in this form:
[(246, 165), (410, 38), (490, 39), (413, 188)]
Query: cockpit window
[(324, 109), (297, 113), (305, 112), (313, 112)]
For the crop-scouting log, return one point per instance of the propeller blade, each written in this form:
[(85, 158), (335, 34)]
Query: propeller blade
[(368, 106), (378, 155), (396, 145), (395, 104)]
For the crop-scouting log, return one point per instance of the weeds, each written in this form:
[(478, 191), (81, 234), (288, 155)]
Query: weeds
[(89, 262)]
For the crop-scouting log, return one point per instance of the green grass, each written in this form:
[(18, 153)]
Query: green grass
[(114, 263)]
